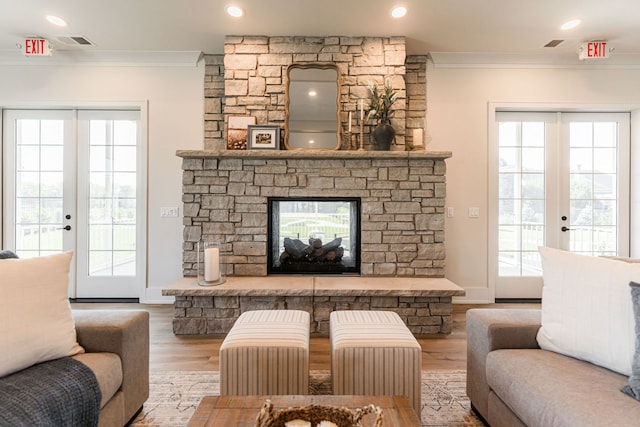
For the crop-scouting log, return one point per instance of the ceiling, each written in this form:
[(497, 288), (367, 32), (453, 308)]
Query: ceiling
[(456, 27)]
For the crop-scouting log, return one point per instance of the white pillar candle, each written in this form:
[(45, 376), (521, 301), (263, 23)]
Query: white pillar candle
[(361, 109), (211, 264), (349, 121), (417, 138)]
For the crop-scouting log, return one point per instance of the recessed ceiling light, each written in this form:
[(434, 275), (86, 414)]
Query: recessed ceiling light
[(235, 11), (399, 12), (312, 93), (55, 20), (570, 24)]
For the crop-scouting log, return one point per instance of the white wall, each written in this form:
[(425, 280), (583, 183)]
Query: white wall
[(175, 121), (457, 119)]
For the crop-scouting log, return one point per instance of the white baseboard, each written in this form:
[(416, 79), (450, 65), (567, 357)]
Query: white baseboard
[(475, 296), (154, 296)]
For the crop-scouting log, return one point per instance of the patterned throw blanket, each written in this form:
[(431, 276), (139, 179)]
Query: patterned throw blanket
[(61, 392)]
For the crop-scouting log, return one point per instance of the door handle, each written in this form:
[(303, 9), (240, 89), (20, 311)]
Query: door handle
[(565, 229), (66, 227)]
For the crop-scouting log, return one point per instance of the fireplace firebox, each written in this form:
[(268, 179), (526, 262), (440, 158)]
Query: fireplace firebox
[(314, 235)]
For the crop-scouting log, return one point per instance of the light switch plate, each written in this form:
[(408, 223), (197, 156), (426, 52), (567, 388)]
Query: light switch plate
[(474, 212), (450, 212), (168, 212)]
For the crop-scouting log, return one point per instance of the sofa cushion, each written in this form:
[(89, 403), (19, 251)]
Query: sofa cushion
[(108, 371), (586, 309), (35, 315), (548, 389), (633, 388)]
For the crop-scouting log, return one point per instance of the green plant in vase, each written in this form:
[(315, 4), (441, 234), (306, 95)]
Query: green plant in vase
[(381, 109)]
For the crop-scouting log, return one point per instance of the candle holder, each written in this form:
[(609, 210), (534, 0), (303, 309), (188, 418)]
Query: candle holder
[(209, 264), (361, 136)]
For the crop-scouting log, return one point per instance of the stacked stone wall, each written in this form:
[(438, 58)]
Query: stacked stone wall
[(250, 80), (402, 208), (216, 315)]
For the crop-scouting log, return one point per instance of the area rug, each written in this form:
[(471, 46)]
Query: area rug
[(175, 395)]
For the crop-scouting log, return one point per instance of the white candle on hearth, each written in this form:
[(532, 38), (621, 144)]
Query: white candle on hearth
[(349, 121), (211, 264), (361, 109)]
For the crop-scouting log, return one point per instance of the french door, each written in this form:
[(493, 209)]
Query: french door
[(562, 181), (72, 182)]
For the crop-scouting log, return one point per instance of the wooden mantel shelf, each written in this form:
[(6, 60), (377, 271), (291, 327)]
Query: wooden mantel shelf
[(312, 154)]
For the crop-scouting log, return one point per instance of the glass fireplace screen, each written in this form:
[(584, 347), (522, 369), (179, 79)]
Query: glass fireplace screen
[(314, 235)]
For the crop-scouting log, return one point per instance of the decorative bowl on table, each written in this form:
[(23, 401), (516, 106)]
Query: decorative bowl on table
[(316, 416)]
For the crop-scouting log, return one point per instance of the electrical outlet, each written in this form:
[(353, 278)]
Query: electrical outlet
[(168, 212), (474, 212), (450, 212)]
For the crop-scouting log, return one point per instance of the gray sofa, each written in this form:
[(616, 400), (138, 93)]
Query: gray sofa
[(512, 382), (116, 344)]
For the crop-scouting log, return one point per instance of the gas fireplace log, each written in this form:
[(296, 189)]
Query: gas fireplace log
[(334, 244), (296, 250), (295, 247), (316, 243)]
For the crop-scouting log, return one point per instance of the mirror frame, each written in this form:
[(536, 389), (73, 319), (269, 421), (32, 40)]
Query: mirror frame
[(312, 65)]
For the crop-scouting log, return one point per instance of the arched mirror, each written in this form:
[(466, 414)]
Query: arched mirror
[(312, 107)]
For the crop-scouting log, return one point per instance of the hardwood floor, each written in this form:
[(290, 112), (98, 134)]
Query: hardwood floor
[(200, 353)]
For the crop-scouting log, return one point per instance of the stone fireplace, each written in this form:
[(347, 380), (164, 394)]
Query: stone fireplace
[(228, 195)]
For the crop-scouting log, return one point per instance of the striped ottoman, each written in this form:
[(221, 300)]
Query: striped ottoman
[(374, 353), (266, 352)]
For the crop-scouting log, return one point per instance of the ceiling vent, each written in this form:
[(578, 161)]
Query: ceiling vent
[(553, 43), (74, 41)]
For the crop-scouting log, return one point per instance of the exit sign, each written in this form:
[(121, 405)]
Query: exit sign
[(36, 47), (593, 50)]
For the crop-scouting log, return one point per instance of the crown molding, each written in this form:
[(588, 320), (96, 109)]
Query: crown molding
[(105, 58), (531, 60)]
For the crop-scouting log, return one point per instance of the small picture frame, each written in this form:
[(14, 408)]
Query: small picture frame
[(264, 137)]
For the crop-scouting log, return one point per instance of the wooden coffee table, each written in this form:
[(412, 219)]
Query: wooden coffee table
[(230, 411)]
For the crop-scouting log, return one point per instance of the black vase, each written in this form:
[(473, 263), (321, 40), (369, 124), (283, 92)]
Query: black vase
[(383, 136)]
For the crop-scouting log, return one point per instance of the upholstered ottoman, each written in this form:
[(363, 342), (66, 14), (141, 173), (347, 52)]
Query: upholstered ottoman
[(373, 352), (266, 352)]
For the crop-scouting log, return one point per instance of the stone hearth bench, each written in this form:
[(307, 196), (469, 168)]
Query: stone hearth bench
[(424, 304)]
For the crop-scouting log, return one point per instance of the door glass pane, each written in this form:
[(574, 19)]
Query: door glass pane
[(112, 197), (593, 213), (521, 193), (38, 203)]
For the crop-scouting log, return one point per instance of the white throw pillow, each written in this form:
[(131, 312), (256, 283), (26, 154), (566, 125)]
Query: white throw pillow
[(36, 324), (586, 308)]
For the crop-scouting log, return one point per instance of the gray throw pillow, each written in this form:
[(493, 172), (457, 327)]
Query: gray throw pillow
[(6, 254), (633, 388)]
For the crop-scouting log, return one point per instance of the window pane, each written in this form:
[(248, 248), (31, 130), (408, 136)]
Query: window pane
[(508, 134), (605, 134), (533, 186), (533, 159), (28, 158), (580, 134), (124, 159), (533, 134), (604, 160)]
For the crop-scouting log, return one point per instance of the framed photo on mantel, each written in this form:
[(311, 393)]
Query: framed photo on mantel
[(264, 137), (237, 131)]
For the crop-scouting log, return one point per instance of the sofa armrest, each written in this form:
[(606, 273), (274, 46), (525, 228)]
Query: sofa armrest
[(493, 329), (126, 333)]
